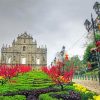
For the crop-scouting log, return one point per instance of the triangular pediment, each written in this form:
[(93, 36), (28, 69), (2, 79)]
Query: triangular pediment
[(25, 35)]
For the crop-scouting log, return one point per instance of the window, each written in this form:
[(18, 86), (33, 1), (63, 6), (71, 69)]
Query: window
[(33, 59), (9, 60), (24, 48), (43, 58), (38, 61), (23, 60)]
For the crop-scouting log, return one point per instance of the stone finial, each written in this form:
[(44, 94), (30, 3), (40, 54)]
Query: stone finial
[(25, 33), (18, 36), (6, 45), (31, 37), (14, 41), (3, 45), (35, 42), (45, 46)]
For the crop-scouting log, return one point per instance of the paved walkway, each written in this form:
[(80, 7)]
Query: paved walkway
[(91, 85)]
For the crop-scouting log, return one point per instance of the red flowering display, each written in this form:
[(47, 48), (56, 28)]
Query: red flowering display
[(58, 71), (98, 43), (24, 69), (10, 71), (56, 75)]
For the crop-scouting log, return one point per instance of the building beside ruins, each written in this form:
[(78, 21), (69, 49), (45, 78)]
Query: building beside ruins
[(24, 50)]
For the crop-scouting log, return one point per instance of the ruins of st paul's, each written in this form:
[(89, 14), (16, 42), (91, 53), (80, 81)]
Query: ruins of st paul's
[(24, 50)]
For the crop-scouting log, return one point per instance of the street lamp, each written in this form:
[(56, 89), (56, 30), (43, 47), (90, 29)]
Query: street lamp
[(96, 7), (91, 26), (87, 24)]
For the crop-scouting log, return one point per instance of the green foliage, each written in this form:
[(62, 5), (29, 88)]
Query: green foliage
[(86, 96), (35, 80), (46, 97), (70, 88), (98, 36), (17, 97), (68, 63), (3, 81), (87, 52), (93, 72), (27, 81), (76, 61)]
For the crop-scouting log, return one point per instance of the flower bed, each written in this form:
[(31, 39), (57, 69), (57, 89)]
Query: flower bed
[(85, 93), (40, 83), (71, 92)]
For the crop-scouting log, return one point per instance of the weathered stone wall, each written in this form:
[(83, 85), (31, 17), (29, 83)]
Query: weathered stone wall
[(24, 49)]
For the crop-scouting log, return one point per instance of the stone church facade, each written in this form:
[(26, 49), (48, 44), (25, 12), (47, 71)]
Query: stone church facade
[(24, 51)]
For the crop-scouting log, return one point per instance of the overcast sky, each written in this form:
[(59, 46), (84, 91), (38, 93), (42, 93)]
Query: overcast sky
[(51, 22)]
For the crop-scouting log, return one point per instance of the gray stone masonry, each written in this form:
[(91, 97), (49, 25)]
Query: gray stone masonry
[(24, 50)]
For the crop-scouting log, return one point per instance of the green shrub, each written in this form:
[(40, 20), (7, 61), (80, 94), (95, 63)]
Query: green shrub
[(17, 97), (46, 97), (27, 81), (86, 96), (70, 88)]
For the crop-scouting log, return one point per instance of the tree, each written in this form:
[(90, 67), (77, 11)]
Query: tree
[(87, 52), (77, 63), (89, 47), (7, 72), (55, 74), (88, 55), (98, 36)]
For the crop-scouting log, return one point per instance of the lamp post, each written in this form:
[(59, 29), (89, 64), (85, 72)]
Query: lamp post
[(92, 26), (96, 7)]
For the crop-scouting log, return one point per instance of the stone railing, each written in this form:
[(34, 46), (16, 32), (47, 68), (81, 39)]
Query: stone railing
[(87, 77)]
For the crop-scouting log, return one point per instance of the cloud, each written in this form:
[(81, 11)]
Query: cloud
[(51, 22)]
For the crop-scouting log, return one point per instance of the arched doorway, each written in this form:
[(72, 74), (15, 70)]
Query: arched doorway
[(9, 60), (37, 61)]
